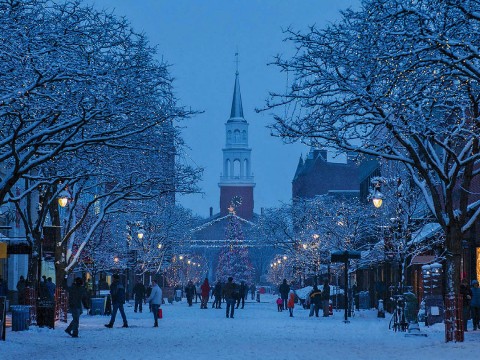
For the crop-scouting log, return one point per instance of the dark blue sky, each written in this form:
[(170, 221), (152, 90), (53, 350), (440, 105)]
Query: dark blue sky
[(199, 39)]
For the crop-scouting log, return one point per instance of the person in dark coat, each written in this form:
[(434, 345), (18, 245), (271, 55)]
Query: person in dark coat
[(148, 292), (217, 293), (253, 289), (21, 288), (51, 288), (76, 298), (326, 298), (466, 293), (205, 289), (230, 293), (315, 301), (475, 304), (138, 294), (43, 289), (190, 291), (117, 292), (3, 287), (284, 289), (242, 292)]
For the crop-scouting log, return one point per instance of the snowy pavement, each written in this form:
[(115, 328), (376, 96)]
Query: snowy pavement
[(256, 332)]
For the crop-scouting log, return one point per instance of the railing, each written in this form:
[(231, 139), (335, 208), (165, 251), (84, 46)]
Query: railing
[(61, 304)]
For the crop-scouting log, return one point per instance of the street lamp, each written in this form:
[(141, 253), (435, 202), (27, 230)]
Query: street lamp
[(377, 198), (63, 198)]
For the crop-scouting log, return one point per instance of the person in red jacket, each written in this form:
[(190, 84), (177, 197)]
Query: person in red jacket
[(291, 302), (205, 289)]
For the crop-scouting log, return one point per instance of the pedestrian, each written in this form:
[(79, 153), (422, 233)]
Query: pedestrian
[(242, 292), (291, 302), (148, 291), (284, 289), (3, 287), (138, 294), (77, 297), (230, 293), (205, 291), (51, 287), (198, 293), (190, 292), (315, 301), (252, 290), (43, 292), (155, 299), (466, 293), (217, 293), (21, 288), (117, 293), (279, 304), (326, 298), (475, 304)]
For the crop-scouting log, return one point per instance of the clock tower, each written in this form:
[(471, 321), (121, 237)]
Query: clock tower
[(236, 182)]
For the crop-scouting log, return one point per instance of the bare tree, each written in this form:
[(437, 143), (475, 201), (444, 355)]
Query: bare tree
[(396, 80)]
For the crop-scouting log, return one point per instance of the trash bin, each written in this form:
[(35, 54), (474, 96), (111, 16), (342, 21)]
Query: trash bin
[(258, 296), (97, 306), (20, 317), (46, 313)]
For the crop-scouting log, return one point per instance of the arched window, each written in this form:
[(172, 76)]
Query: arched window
[(245, 167), (236, 135), (244, 135), (229, 135), (236, 168), (227, 168)]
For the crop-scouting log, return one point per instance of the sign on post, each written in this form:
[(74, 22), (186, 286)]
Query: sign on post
[(3, 250), (345, 256)]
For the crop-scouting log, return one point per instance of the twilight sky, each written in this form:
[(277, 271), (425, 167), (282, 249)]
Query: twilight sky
[(199, 39)]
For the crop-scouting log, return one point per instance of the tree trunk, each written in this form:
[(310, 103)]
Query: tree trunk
[(453, 243)]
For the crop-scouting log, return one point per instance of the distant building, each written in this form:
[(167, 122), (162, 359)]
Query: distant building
[(236, 183), (315, 175), (236, 196)]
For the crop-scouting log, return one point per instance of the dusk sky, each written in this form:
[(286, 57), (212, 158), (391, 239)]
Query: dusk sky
[(199, 39)]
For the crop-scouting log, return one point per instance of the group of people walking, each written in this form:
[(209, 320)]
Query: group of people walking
[(217, 293), (78, 297), (316, 299)]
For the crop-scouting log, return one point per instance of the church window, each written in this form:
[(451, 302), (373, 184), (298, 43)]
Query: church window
[(244, 135), (227, 168), (229, 135), (236, 135), (236, 169)]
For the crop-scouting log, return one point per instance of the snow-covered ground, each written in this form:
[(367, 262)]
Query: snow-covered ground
[(256, 332)]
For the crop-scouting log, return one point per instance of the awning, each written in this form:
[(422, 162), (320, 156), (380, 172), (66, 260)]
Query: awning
[(423, 259)]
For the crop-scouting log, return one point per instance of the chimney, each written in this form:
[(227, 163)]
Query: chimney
[(261, 211), (211, 211)]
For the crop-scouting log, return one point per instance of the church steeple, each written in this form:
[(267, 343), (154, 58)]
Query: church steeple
[(236, 181), (237, 108)]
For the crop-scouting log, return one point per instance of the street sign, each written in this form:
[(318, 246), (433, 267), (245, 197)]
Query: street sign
[(344, 256)]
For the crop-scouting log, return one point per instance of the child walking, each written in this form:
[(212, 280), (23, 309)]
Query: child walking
[(279, 304), (291, 302)]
